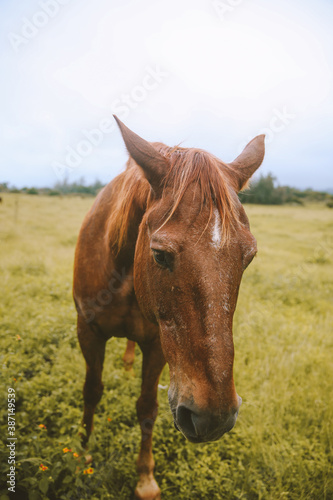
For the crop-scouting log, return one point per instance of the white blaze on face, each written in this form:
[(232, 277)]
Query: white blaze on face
[(217, 229)]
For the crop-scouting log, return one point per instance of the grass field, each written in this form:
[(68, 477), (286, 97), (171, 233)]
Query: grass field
[(282, 444)]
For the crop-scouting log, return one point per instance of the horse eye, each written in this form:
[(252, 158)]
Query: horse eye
[(160, 257)]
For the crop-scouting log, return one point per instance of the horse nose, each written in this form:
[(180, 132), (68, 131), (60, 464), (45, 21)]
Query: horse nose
[(203, 426), (186, 421)]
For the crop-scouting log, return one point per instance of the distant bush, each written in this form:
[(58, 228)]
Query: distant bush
[(78, 187), (32, 191), (264, 191)]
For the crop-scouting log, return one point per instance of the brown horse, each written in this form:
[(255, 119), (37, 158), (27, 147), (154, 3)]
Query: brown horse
[(159, 261)]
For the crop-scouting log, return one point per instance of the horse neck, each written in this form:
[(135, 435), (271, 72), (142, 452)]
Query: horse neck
[(136, 204), (125, 256)]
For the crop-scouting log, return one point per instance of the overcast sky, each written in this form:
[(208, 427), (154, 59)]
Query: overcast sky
[(204, 73)]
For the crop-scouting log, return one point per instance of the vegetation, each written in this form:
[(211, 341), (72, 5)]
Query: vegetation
[(281, 446), (263, 191), (59, 189)]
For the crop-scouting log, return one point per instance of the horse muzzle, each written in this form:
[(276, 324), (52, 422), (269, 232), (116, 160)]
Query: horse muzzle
[(200, 426)]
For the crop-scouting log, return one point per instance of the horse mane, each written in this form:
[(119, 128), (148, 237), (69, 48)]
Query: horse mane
[(187, 166)]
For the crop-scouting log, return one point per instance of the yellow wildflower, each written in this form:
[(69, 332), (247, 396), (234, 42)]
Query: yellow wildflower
[(88, 471)]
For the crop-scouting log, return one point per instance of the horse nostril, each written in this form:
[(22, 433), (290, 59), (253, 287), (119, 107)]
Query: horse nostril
[(185, 420), (198, 426)]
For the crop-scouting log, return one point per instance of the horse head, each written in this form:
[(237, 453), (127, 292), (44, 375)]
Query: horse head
[(193, 246)]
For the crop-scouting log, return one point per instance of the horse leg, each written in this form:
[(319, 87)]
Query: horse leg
[(152, 365), (129, 355), (93, 349)]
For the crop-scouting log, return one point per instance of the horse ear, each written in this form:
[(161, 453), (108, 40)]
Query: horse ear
[(153, 163), (244, 166)]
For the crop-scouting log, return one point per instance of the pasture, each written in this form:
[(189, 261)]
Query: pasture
[(282, 444)]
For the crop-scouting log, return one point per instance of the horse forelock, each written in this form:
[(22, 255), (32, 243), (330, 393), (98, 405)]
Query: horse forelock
[(188, 167)]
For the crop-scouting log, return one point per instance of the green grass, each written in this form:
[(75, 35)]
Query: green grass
[(281, 446)]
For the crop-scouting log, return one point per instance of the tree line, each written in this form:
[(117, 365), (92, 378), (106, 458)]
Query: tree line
[(263, 190), (59, 189)]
